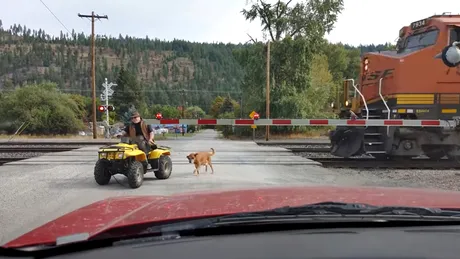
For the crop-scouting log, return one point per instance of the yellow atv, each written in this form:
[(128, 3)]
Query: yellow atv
[(129, 160)]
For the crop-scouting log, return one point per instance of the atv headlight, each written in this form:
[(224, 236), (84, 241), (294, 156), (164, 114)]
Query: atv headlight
[(102, 155), (120, 155)]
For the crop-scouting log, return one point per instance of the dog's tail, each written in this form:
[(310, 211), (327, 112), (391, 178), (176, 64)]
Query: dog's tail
[(213, 151)]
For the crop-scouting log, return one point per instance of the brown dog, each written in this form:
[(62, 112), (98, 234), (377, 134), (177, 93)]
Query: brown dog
[(201, 158)]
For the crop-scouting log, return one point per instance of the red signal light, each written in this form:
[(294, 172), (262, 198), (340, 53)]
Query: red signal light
[(101, 108), (256, 116), (159, 116)]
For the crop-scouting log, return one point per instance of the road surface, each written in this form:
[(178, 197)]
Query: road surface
[(37, 190)]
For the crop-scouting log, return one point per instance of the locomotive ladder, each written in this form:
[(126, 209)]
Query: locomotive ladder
[(375, 138)]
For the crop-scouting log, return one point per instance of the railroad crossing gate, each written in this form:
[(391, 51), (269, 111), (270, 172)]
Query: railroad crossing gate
[(310, 122)]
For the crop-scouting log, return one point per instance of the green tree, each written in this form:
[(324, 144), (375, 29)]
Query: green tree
[(194, 112), (166, 111), (310, 19), (127, 93), (216, 106), (126, 116), (227, 106), (296, 33), (46, 110)]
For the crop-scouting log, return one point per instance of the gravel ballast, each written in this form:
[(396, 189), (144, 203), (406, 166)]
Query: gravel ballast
[(436, 179), (415, 178)]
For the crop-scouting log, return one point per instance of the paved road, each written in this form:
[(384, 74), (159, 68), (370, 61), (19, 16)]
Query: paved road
[(37, 190)]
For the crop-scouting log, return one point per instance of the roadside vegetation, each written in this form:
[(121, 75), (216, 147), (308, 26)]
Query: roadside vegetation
[(44, 80)]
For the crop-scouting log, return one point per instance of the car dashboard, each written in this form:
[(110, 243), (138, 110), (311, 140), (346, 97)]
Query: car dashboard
[(393, 242)]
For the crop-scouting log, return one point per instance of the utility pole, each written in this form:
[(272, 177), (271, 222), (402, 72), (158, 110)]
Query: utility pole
[(93, 65), (241, 105), (267, 92), (183, 103)]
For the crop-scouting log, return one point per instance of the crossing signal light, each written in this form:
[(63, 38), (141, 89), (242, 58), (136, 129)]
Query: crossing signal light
[(159, 116), (256, 116), (103, 108)]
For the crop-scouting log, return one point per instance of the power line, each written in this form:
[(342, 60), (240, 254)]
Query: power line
[(56, 17), (153, 91), (144, 91)]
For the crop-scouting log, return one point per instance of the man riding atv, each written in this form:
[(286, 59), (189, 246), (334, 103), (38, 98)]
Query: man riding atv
[(140, 133)]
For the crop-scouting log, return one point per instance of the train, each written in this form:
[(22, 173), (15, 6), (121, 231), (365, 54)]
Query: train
[(420, 80)]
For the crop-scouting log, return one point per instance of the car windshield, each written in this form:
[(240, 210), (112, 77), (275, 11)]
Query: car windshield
[(154, 111)]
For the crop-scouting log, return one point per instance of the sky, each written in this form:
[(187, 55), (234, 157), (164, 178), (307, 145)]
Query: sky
[(361, 22)]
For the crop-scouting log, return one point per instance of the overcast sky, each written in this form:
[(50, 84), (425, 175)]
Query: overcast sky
[(362, 21)]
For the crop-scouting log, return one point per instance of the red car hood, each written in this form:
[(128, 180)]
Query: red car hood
[(123, 211)]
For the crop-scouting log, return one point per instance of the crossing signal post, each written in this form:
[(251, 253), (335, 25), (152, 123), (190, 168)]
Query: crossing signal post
[(108, 92), (255, 116)]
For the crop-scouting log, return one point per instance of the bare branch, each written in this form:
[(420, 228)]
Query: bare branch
[(251, 39), (266, 16)]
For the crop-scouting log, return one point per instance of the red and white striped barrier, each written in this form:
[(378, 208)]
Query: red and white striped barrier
[(308, 122)]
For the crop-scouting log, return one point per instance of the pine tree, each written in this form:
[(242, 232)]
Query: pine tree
[(126, 116), (227, 105)]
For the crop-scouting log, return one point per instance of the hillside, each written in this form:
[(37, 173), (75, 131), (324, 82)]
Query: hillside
[(164, 68)]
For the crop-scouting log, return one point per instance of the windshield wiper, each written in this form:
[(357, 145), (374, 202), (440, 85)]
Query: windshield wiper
[(332, 211), (337, 208)]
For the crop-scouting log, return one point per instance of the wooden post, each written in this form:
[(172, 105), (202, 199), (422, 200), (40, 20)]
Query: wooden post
[(267, 93), (93, 67)]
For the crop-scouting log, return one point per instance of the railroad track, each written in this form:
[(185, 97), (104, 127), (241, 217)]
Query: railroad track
[(5, 160), (20, 149), (58, 143), (371, 163), (325, 149), (287, 143)]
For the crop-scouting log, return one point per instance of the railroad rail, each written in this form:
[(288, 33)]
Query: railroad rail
[(20, 149), (371, 163), (58, 143), (294, 143), (4, 160), (320, 149)]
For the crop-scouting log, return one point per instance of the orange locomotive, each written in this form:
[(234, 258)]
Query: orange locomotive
[(409, 83)]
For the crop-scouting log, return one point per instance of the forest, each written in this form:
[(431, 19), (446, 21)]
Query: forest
[(51, 74)]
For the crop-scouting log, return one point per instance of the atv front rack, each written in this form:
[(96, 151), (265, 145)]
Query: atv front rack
[(116, 148)]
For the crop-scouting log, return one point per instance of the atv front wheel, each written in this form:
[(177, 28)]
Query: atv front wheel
[(164, 168), (101, 172), (135, 174)]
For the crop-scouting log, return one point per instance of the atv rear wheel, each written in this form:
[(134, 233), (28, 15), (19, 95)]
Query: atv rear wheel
[(101, 172), (164, 168), (135, 174)]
